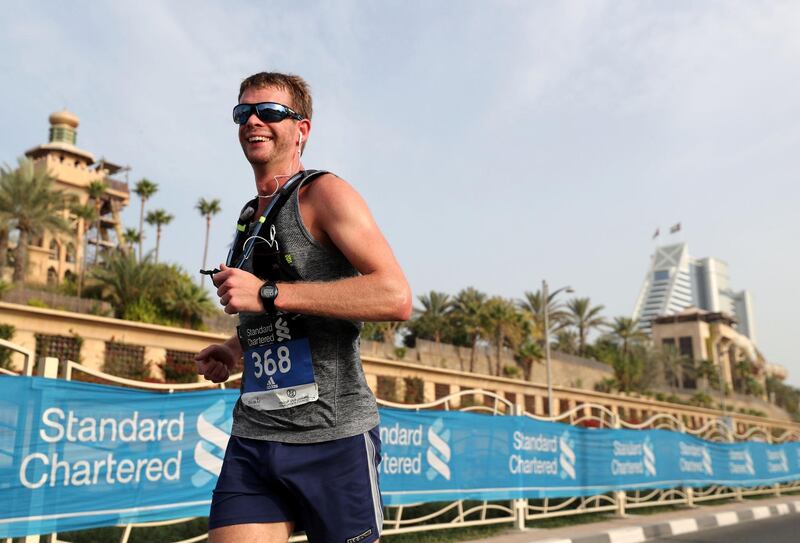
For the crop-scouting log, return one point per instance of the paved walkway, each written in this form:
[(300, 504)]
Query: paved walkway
[(638, 528)]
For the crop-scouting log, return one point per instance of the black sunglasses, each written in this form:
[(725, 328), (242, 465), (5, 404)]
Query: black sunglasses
[(268, 112)]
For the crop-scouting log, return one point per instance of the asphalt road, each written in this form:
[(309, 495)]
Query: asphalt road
[(785, 529)]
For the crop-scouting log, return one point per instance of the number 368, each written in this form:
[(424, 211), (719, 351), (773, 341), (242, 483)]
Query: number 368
[(269, 366)]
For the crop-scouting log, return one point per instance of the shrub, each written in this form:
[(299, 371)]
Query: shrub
[(6, 332)]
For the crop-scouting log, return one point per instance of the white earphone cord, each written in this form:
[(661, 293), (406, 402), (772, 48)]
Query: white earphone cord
[(275, 178)]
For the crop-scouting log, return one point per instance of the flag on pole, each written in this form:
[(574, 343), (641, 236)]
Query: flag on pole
[(675, 228), (656, 233)]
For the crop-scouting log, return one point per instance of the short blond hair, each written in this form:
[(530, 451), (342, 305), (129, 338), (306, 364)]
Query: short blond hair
[(295, 85)]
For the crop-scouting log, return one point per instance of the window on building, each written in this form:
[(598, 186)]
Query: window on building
[(179, 367), (52, 276), (440, 390), (660, 275), (71, 255), (671, 370), (62, 347), (387, 388), (530, 404), (688, 373), (415, 390), (54, 250), (124, 360), (37, 240), (685, 347)]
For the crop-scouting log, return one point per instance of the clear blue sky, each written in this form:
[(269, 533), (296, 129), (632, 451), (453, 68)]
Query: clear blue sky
[(497, 143)]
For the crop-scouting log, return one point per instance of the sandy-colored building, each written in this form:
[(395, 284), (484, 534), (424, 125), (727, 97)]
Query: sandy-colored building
[(51, 259), (703, 335)]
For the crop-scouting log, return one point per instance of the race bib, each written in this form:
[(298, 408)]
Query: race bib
[(278, 368)]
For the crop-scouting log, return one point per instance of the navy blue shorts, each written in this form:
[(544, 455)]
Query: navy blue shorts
[(328, 489)]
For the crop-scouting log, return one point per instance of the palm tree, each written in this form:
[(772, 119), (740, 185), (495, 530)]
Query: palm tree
[(87, 215), (709, 372), (4, 231), (625, 331), (504, 325), (207, 208), (122, 281), (673, 364), (566, 342), (533, 308), (144, 189), (584, 318), (189, 303), (132, 236), (96, 189), (433, 318), (29, 203), (529, 353), (158, 218), (469, 317)]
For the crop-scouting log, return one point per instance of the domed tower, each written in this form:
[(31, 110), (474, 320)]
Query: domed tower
[(63, 127), (53, 258)]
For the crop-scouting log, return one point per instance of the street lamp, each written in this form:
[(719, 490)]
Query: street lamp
[(545, 309)]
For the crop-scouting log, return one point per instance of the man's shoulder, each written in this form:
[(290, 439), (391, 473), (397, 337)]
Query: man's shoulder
[(330, 192)]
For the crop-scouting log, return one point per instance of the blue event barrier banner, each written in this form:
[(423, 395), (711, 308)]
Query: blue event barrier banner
[(77, 455)]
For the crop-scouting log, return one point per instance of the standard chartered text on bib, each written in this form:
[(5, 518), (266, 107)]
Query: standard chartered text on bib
[(278, 369)]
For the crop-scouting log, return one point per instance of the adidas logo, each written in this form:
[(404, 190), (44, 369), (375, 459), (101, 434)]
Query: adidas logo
[(271, 384)]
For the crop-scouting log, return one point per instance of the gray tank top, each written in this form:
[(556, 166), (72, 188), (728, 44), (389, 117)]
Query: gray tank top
[(346, 406)]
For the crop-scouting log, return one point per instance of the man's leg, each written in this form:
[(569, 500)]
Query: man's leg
[(272, 532)]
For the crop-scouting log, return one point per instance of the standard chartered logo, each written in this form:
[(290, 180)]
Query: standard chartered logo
[(566, 460), (649, 458), (214, 430), (405, 447), (749, 463), (633, 458), (741, 463), (694, 458), (438, 454), (708, 466), (777, 462)]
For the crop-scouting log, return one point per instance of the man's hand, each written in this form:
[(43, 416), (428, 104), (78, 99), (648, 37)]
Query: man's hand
[(215, 362), (238, 290)]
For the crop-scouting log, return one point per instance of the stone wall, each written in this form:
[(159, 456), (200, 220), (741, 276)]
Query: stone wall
[(570, 371)]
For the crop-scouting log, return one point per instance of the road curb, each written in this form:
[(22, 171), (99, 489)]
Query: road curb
[(645, 532)]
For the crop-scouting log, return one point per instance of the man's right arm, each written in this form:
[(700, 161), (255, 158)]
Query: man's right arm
[(217, 361)]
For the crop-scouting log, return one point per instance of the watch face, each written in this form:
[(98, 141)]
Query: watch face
[(269, 291)]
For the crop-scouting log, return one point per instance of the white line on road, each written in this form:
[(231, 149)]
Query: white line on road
[(683, 526), (627, 535), (783, 508), (727, 518), (761, 512)]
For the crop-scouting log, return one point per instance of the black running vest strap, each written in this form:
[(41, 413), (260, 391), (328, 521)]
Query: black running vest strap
[(248, 232)]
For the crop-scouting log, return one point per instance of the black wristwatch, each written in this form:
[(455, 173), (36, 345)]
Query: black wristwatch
[(268, 292)]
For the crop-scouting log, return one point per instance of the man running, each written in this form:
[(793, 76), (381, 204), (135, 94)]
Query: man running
[(305, 269)]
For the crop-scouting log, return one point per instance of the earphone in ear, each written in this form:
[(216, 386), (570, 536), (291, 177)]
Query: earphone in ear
[(300, 138)]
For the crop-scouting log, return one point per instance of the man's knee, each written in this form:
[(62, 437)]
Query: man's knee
[(272, 532)]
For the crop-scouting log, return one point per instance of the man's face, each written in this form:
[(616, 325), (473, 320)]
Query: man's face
[(265, 143)]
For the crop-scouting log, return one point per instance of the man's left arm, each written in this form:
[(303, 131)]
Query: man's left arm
[(380, 293)]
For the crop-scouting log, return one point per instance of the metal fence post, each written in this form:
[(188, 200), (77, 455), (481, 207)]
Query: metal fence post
[(687, 490), (520, 505), (619, 495), (739, 497), (777, 486)]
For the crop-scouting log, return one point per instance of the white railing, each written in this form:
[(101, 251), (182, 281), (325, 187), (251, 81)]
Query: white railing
[(71, 366), (465, 513), (27, 365)]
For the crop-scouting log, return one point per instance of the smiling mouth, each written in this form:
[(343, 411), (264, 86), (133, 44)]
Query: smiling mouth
[(258, 139)]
